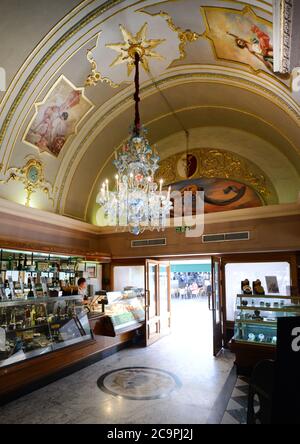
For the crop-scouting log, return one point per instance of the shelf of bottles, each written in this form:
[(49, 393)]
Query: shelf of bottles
[(40, 309), (29, 274)]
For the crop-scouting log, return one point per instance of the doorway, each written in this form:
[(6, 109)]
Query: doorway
[(191, 291), (182, 297)]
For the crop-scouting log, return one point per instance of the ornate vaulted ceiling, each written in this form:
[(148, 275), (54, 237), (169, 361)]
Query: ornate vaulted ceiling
[(68, 103)]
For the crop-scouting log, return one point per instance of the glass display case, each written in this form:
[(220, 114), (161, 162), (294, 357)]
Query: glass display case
[(34, 326), (124, 311), (125, 308), (256, 317)]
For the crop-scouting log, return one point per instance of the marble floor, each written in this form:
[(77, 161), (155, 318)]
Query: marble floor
[(236, 411), (186, 353)]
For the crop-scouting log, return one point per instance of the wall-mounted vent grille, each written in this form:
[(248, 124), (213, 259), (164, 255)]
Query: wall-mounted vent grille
[(226, 237), (149, 242)]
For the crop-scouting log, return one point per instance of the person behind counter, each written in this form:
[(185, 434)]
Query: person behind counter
[(82, 288)]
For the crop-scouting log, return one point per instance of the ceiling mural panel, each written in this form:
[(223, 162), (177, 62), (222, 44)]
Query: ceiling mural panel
[(219, 194), (57, 117), (217, 164), (243, 37), (206, 63)]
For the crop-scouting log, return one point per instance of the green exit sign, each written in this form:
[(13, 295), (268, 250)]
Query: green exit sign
[(182, 229)]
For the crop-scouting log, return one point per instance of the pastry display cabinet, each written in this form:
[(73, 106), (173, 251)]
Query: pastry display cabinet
[(124, 311)]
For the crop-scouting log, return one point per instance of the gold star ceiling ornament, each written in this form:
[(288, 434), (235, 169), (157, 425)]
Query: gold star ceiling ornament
[(135, 44)]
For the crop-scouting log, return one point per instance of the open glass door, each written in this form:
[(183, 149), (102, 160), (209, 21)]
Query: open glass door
[(216, 306), (158, 300)]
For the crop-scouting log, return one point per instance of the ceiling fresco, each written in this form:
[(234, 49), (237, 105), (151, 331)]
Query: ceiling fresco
[(57, 118), (240, 36), (207, 68)]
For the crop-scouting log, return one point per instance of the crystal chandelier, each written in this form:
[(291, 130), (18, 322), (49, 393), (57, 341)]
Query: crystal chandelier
[(138, 202)]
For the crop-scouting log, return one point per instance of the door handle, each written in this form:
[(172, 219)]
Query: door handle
[(147, 299)]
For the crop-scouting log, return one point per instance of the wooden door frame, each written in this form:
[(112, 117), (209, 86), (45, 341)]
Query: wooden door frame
[(156, 318), (217, 259)]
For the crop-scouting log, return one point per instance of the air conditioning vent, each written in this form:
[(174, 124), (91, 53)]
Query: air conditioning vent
[(213, 238), (237, 236), (226, 237), (139, 243), (148, 242)]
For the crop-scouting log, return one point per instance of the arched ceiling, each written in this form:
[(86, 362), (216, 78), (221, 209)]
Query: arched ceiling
[(227, 97)]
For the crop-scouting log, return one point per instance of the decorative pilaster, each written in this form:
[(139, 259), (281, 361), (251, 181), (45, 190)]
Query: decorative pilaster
[(282, 31)]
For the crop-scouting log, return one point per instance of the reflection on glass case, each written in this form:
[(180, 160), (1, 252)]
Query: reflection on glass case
[(32, 327), (256, 317), (125, 308)]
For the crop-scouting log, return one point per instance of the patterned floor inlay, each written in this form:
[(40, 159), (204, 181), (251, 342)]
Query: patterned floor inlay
[(139, 383), (236, 412)]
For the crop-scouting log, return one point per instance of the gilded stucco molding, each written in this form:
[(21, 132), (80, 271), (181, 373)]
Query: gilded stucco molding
[(95, 76), (221, 164), (31, 175), (135, 44), (185, 35)]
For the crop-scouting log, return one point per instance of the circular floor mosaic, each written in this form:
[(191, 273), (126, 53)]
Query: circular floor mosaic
[(140, 383)]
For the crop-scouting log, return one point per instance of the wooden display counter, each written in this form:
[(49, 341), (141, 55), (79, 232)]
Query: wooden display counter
[(26, 376), (249, 355)]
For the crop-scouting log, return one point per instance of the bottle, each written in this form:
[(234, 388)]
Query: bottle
[(30, 293), (20, 265), (7, 290), (13, 317), (32, 316)]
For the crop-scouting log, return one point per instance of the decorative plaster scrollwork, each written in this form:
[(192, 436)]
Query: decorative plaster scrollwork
[(95, 77), (185, 35), (32, 177)]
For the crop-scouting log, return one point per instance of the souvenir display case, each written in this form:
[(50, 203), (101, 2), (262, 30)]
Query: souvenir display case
[(124, 311), (39, 325), (255, 327)]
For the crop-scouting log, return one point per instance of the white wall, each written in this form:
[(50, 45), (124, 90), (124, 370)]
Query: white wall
[(236, 273), (129, 276)]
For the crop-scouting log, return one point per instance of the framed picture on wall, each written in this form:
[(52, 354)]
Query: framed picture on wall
[(91, 270), (272, 284)]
